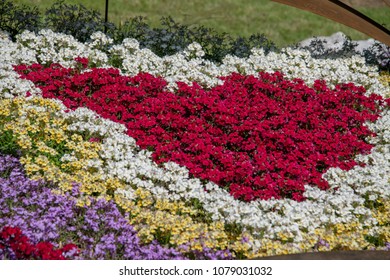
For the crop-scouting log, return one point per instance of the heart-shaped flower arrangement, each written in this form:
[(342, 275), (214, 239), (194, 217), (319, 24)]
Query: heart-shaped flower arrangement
[(258, 137)]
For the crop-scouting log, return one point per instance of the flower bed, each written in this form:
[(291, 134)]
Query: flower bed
[(258, 137), (254, 164)]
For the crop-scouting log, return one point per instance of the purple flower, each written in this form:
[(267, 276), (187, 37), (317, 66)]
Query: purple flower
[(99, 230), (245, 239), (322, 243)]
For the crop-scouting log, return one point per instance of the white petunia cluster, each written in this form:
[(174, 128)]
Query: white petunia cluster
[(50, 47), (188, 66), (13, 54), (100, 41), (373, 180), (194, 50)]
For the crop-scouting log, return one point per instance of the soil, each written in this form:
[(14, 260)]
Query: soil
[(365, 3)]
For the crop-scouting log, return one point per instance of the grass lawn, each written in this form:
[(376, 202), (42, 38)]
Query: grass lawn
[(282, 24)]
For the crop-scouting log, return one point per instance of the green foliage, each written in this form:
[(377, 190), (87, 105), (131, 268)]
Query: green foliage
[(241, 46), (377, 241), (379, 54), (173, 37), (75, 20), (8, 145), (15, 19), (318, 50), (167, 40)]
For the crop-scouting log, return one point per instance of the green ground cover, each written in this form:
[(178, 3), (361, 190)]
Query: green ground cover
[(282, 24)]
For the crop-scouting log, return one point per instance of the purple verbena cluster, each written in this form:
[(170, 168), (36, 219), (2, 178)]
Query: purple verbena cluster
[(100, 231)]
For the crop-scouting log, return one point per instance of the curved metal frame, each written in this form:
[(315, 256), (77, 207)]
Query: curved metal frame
[(344, 14)]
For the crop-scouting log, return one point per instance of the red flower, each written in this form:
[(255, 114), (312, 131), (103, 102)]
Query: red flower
[(260, 137), (13, 238), (83, 62), (93, 139)]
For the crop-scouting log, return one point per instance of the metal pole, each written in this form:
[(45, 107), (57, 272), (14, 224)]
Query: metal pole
[(106, 17)]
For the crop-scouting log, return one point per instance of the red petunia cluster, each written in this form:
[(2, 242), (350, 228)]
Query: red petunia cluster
[(13, 238), (258, 137)]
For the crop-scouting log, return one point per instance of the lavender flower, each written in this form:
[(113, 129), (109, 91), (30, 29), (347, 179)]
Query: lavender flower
[(99, 230)]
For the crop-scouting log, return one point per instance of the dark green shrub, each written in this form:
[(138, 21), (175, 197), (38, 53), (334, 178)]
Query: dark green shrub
[(241, 47), (167, 40), (75, 20), (15, 19), (378, 54), (215, 45), (318, 49), (173, 37)]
